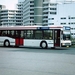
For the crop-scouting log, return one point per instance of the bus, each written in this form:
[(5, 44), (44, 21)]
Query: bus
[(35, 36)]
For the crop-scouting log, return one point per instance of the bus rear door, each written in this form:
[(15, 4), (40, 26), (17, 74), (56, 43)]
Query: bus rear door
[(19, 39), (57, 38)]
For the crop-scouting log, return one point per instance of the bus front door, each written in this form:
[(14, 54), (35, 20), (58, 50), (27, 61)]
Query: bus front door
[(57, 38), (19, 39)]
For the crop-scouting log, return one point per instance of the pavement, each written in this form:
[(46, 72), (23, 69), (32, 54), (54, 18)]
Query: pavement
[(25, 61)]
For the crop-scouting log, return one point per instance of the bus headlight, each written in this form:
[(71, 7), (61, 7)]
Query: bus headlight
[(63, 44)]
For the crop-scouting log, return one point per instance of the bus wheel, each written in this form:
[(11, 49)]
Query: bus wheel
[(43, 44), (6, 43)]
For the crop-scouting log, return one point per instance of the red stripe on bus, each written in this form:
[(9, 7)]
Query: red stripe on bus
[(21, 41)]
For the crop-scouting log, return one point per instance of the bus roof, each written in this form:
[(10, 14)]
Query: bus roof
[(30, 27)]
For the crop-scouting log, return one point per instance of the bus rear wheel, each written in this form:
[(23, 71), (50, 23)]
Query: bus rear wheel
[(43, 44), (6, 43)]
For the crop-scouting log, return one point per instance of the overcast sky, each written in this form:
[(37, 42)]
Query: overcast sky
[(11, 4)]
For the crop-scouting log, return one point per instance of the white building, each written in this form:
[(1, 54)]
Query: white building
[(32, 12), (1, 7), (65, 15), (12, 17), (47, 12)]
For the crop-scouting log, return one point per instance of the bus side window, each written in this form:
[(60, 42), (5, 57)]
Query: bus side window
[(48, 34), (29, 34), (38, 34), (0, 33), (22, 34), (4, 33)]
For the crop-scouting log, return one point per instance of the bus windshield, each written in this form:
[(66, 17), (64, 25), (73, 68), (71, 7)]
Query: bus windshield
[(66, 36)]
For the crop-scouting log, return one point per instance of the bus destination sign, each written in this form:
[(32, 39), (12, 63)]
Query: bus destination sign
[(43, 28), (66, 28)]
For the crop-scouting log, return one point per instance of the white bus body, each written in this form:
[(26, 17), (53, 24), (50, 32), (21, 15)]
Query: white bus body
[(36, 43), (8, 40), (53, 38)]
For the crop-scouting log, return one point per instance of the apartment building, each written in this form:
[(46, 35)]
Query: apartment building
[(46, 12), (1, 7), (63, 15), (32, 12), (11, 17)]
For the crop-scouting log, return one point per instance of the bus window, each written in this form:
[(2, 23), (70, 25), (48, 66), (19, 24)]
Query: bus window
[(17, 34), (0, 33), (38, 34), (66, 36), (29, 34), (4, 33), (48, 34), (25, 33), (9, 33), (12, 33), (22, 34)]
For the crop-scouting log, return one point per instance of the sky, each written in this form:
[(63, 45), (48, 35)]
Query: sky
[(10, 4)]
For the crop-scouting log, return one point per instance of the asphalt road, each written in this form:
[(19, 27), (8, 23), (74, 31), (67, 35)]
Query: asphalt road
[(32, 61)]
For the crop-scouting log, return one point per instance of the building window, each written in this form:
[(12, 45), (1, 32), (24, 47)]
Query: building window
[(72, 23), (45, 4), (45, 13), (45, 21), (31, 13), (31, 9), (53, 13), (53, 4), (31, 5), (63, 17), (71, 33), (51, 18), (71, 28), (45, 8), (71, 18), (52, 8), (45, 17), (51, 23), (63, 23), (31, 17), (31, 1)]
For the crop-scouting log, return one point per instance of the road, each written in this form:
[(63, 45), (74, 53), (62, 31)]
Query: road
[(31, 61)]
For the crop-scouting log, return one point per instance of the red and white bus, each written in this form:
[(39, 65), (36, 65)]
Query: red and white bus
[(35, 36)]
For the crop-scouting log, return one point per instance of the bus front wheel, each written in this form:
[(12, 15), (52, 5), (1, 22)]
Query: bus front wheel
[(43, 44), (6, 43)]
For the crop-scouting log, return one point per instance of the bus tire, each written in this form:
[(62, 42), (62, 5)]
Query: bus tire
[(6, 43), (43, 44)]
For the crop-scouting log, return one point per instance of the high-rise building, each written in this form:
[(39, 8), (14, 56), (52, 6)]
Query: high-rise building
[(11, 17), (32, 12), (47, 12), (64, 16), (1, 7)]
